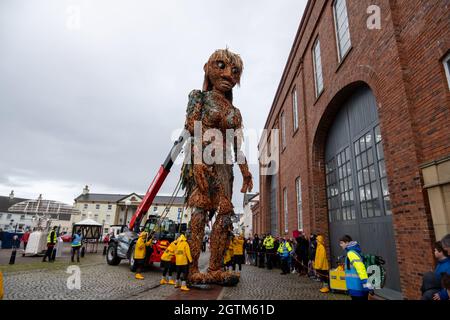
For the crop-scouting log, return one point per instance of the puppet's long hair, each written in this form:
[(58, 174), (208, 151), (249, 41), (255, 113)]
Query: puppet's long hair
[(227, 56)]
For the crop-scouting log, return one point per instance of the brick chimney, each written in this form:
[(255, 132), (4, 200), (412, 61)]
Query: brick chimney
[(11, 195), (86, 190)]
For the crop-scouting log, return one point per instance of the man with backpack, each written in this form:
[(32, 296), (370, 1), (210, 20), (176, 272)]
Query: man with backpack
[(356, 277)]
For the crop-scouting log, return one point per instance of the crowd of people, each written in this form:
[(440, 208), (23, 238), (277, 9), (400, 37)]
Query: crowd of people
[(307, 256), (302, 255)]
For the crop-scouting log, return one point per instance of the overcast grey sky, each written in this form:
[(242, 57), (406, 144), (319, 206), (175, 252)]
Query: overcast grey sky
[(91, 91)]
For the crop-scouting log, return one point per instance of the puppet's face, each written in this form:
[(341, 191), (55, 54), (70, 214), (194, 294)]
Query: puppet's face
[(223, 70)]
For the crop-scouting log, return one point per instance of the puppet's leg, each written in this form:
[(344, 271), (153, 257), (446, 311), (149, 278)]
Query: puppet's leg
[(198, 221), (222, 228), (220, 235), (199, 201), (219, 242)]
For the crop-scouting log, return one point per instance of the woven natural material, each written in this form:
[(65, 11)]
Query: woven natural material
[(209, 187)]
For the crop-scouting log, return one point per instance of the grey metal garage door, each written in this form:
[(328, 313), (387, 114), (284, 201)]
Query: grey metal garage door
[(357, 191)]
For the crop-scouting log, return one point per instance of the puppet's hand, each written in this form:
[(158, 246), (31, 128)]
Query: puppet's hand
[(247, 184)]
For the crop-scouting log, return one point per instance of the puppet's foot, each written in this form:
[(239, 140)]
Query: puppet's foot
[(219, 277)]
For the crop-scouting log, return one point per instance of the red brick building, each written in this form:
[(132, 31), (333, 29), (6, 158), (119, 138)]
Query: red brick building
[(363, 111)]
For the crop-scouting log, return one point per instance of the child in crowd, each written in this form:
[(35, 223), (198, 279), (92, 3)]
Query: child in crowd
[(356, 277), (431, 283)]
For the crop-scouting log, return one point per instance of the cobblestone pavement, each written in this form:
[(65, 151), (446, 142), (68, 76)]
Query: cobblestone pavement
[(263, 284), (98, 281), (101, 281)]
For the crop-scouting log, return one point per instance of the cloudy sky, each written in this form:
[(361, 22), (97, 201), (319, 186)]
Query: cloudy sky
[(93, 91)]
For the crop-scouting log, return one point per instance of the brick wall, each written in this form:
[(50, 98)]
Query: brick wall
[(402, 65)]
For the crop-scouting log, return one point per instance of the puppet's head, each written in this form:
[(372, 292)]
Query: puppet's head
[(222, 72)]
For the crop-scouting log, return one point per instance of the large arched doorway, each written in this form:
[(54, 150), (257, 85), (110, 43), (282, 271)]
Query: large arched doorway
[(356, 181)]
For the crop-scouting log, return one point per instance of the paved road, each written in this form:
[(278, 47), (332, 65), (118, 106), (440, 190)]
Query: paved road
[(101, 281)]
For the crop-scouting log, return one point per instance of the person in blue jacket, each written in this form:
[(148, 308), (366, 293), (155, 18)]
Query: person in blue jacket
[(355, 271), (432, 288), (76, 245)]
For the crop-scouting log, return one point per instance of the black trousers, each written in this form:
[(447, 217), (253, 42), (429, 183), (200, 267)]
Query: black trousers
[(237, 260), (261, 257), (49, 254), (168, 267), (139, 263), (182, 272), (285, 265), (323, 275), (270, 258), (77, 250)]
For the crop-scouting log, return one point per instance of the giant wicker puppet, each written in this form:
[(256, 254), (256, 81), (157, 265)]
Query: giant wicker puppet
[(209, 187)]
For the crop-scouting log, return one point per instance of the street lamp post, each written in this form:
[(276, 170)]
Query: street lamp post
[(127, 204)]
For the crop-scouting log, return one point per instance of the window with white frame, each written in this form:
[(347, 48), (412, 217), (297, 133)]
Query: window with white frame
[(318, 76), (285, 201), (96, 217), (295, 108), (298, 191), (447, 68), (109, 206), (108, 218), (85, 206), (283, 130), (342, 28), (97, 206)]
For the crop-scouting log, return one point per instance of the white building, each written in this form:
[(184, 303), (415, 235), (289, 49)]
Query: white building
[(20, 213), (118, 209), (12, 220), (247, 217)]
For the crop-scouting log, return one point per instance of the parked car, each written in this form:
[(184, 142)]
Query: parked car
[(67, 238)]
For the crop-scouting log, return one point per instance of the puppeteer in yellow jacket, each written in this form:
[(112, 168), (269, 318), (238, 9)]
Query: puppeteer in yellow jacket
[(169, 254), (238, 246), (321, 264), (139, 253), (321, 261), (229, 254), (141, 245), (183, 253)]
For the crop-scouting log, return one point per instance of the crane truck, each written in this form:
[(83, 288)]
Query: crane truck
[(160, 229)]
